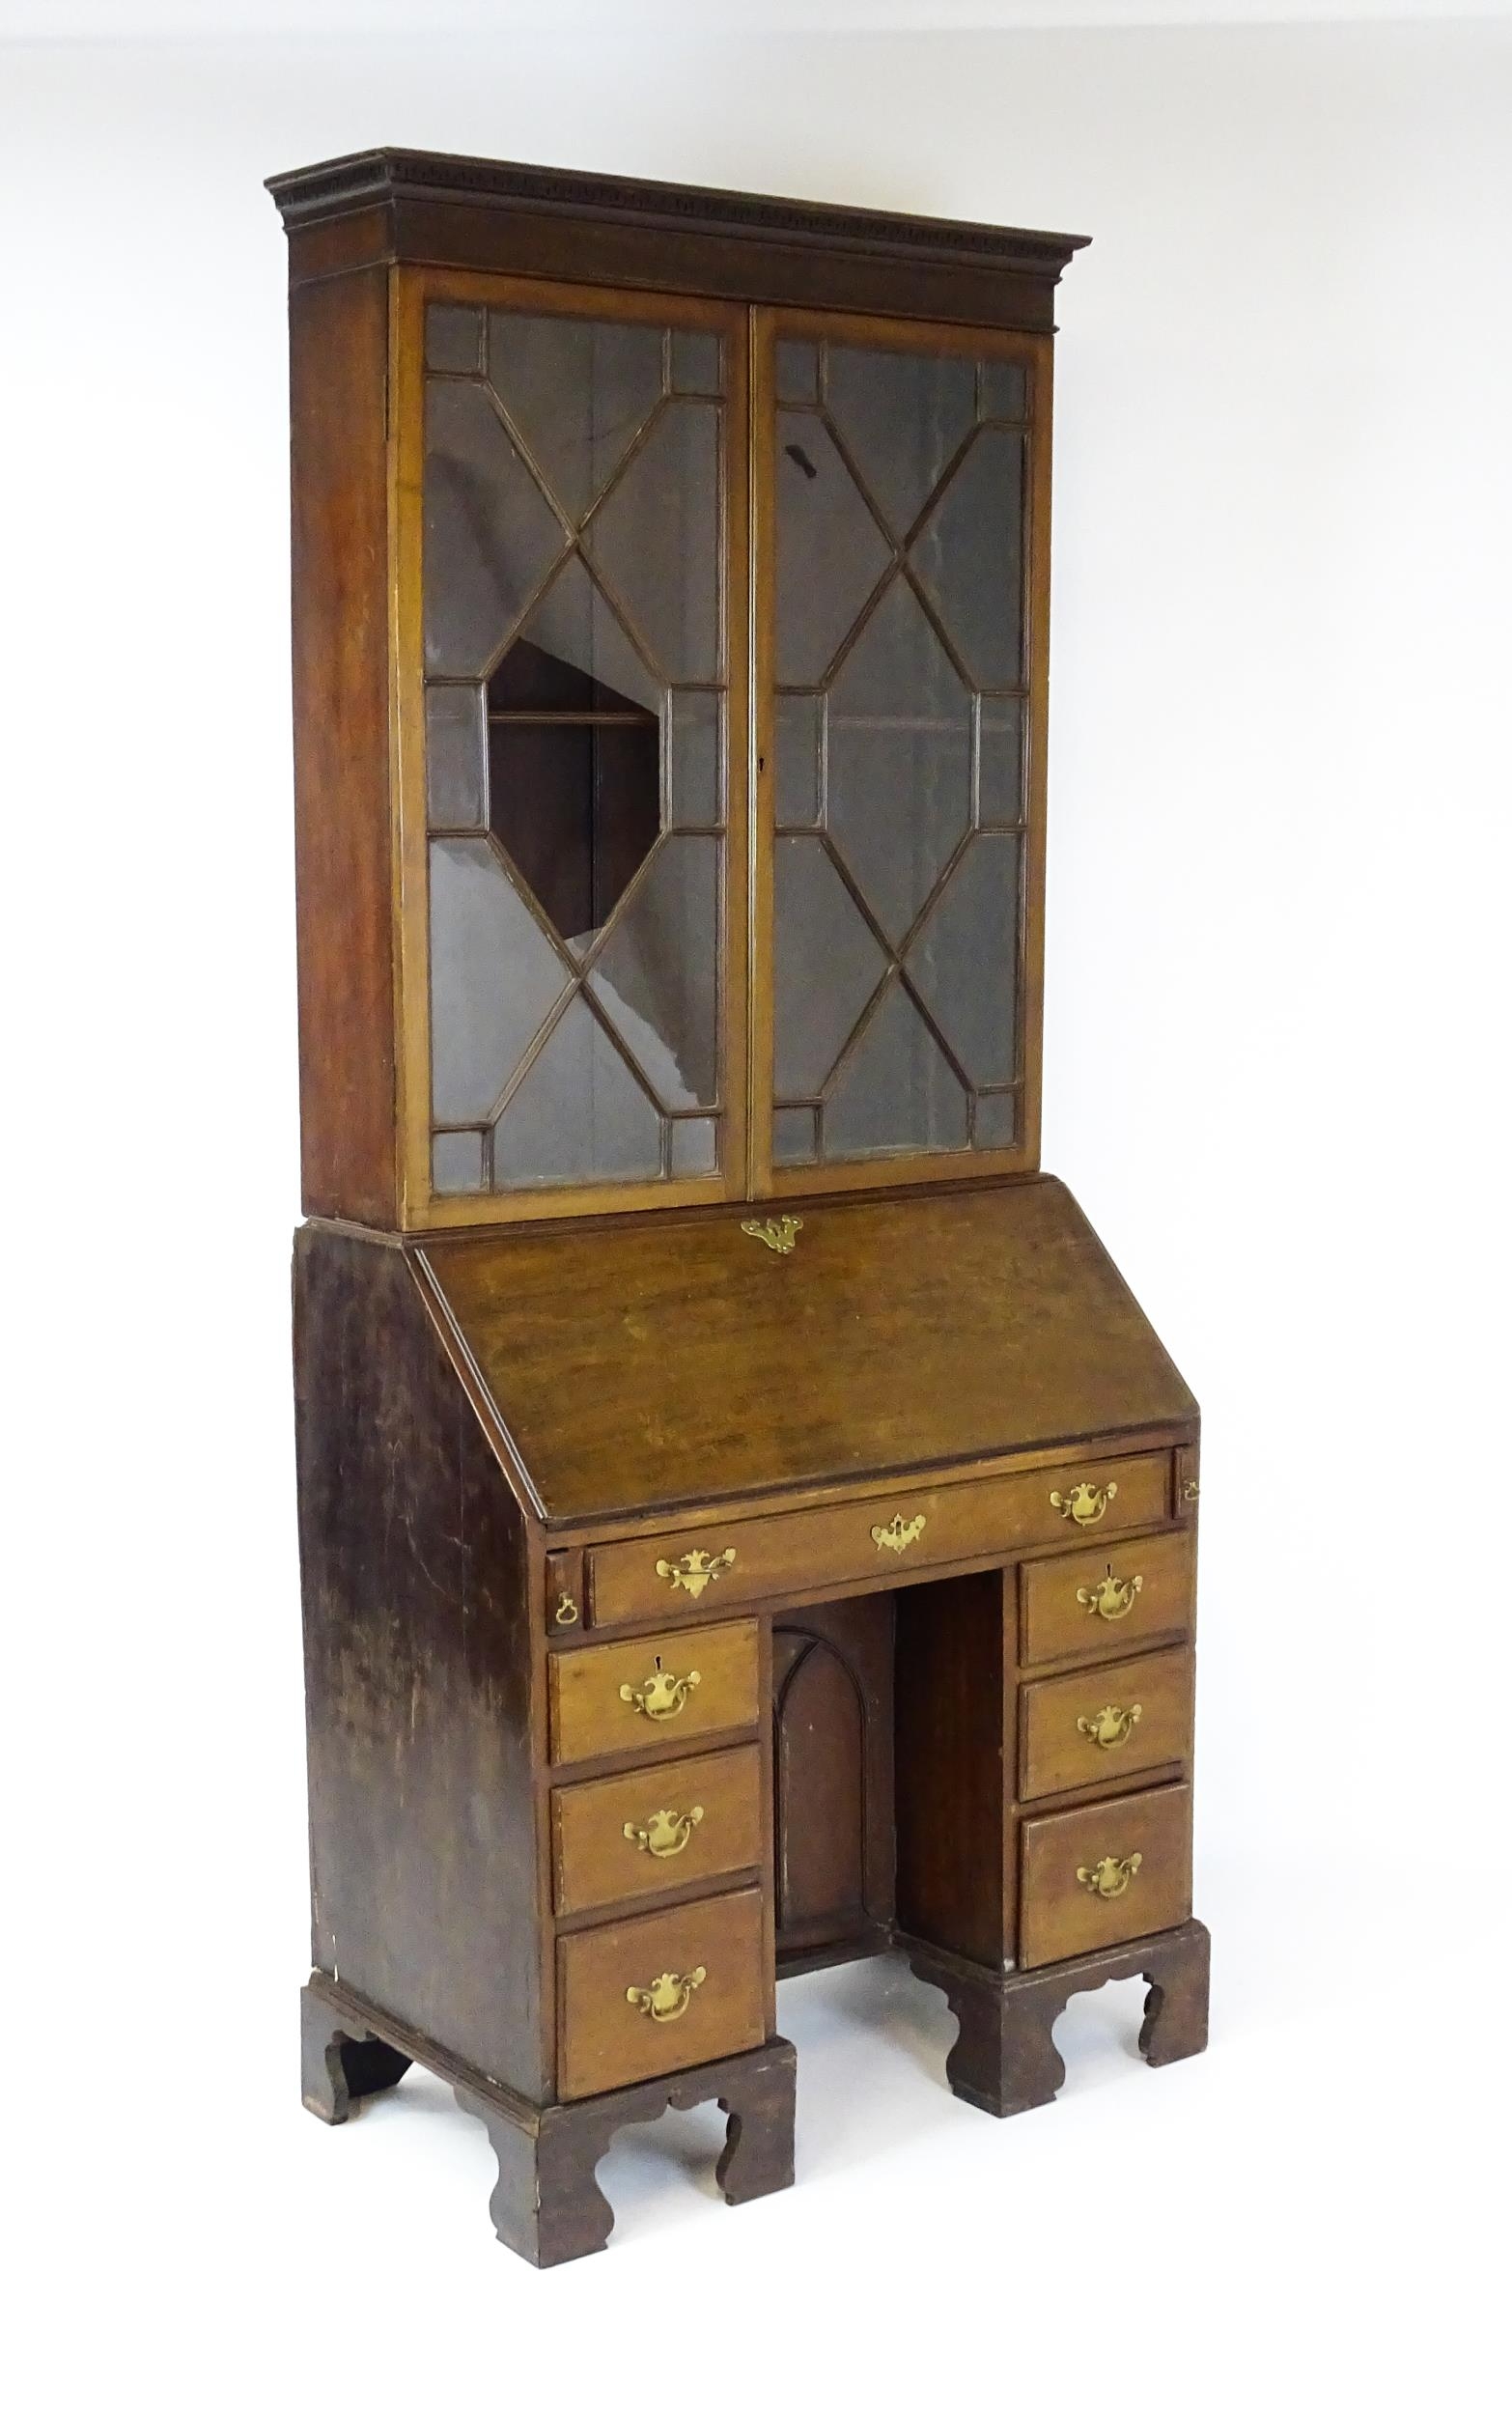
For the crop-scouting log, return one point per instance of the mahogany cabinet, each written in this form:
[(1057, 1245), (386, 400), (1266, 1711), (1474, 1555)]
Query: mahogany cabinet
[(745, 1519)]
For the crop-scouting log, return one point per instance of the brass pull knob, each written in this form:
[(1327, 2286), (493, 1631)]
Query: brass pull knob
[(667, 1997), (897, 1536), (1111, 1597), (778, 1233), (1111, 1727), (1085, 1503), (665, 1832), (1110, 1877), (662, 1695), (695, 1570)]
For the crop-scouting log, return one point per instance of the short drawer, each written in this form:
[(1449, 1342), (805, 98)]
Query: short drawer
[(670, 1825), (1104, 1873), (624, 1696), (1103, 1721), (1086, 1605), (816, 1550), (659, 1993)]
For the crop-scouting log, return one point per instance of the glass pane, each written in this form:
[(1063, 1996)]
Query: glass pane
[(453, 339), (456, 772), (695, 362), (798, 373), (1001, 805), (965, 962), (899, 760), (827, 964), (494, 977), (1005, 393), (970, 558), (903, 415), (799, 721), (575, 622), (656, 541), (578, 390), (490, 534), (795, 1137), (696, 1144), (996, 1121), (456, 1161), (896, 1093), (657, 977), (695, 768), (578, 1115), (830, 552)]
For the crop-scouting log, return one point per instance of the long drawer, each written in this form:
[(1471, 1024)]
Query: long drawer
[(629, 1697), (659, 1993), (1105, 1721), (1105, 1873), (812, 1550), (671, 1824)]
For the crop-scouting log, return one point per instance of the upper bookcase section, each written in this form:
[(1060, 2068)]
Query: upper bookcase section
[(669, 602)]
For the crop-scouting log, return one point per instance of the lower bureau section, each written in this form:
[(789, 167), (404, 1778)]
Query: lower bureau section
[(660, 1993), (1104, 1873)]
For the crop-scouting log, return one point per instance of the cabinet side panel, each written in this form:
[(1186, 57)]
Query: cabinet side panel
[(953, 1721), (338, 335), (418, 1672)]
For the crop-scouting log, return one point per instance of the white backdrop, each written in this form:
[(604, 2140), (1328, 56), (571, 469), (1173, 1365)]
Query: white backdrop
[(1275, 1077)]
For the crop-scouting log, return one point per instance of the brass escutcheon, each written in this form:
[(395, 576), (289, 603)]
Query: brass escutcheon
[(1110, 1876), (1085, 1503), (897, 1536), (695, 1570), (1111, 1597), (779, 1233), (662, 1695), (1111, 1726), (665, 1832), (667, 1997)]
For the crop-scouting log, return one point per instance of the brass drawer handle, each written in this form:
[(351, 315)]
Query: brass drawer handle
[(1111, 1727), (897, 1536), (1085, 1503), (662, 1695), (1111, 1597), (1110, 1877), (665, 1832), (695, 1570), (668, 1997)]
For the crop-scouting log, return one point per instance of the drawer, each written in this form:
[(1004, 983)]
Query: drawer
[(821, 1549), (1086, 1605), (1103, 1721), (669, 1825), (1104, 1873), (624, 1696), (659, 1993)]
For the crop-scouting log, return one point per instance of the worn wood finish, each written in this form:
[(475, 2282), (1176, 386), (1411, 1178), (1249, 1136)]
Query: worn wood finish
[(901, 1532), (1093, 1604), (422, 1690), (1006, 2058), (700, 1819), (589, 1711), (1151, 1699), (833, 1718), (491, 213), (1060, 1917), (606, 2041), (641, 1365)]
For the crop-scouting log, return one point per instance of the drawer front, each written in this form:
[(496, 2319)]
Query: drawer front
[(1105, 1873), (1089, 1603), (632, 1695), (1104, 1723), (659, 1993), (669, 1825), (815, 1550)]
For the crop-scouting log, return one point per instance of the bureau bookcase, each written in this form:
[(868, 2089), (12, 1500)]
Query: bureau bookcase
[(745, 1519)]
